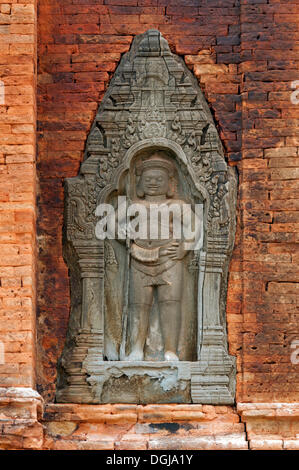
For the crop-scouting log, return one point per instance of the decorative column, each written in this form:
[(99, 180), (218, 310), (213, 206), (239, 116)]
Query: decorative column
[(212, 378)]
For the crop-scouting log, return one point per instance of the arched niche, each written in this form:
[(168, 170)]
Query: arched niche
[(157, 143), (153, 103)]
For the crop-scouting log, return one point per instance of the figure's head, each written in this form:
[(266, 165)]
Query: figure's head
[(155, 175)]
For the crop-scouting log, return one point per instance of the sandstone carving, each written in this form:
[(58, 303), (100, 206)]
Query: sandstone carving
[(147, 321)]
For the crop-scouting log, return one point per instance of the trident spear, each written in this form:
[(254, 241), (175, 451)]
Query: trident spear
[(127, 287)]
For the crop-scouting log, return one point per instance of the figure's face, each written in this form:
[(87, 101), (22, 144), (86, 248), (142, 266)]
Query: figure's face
[(154, 182)]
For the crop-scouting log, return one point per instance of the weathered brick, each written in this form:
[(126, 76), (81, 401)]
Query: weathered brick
[(246, 77)]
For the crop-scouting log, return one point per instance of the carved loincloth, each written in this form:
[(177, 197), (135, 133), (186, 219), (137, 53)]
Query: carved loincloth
[(152, 267)]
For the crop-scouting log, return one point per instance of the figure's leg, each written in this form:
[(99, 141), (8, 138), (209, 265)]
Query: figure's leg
[(169, 298), (137, 331), (170, 315), (141, 298)]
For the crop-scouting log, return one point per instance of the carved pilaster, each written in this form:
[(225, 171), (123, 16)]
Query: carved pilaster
[(88, 343), (212, 377)]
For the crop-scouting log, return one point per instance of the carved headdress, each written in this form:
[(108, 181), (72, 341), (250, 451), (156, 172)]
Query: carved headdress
[(156, 160), (160, 160)]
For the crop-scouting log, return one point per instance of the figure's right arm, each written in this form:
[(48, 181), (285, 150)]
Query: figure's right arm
[(121, 222)]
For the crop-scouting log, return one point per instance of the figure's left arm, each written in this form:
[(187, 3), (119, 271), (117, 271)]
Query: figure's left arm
[(192, 227), (191, 236)]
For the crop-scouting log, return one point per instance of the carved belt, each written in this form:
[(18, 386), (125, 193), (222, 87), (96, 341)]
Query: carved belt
[(151, 270)]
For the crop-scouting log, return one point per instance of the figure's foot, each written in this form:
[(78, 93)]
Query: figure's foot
[(135, 355), (110, 352), (170, 356)]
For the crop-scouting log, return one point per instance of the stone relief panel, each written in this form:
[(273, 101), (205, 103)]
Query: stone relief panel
[(147, 321), (157, 291)]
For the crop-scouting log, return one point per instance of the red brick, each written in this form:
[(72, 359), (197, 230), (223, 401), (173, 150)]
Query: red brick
[(246, 79)]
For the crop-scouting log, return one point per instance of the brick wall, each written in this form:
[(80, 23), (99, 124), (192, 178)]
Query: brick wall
[(265, 275), (80, 46), (137, 427), (245, 58), (17, 191)]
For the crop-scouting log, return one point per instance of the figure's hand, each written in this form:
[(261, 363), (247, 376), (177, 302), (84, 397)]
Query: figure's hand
[(174, 251)]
